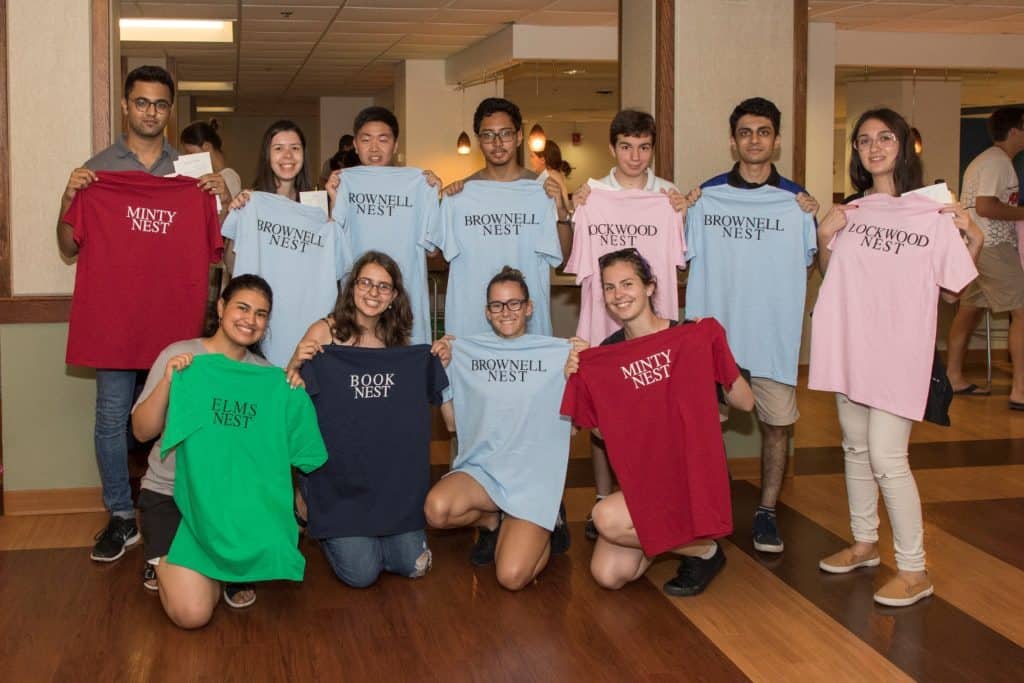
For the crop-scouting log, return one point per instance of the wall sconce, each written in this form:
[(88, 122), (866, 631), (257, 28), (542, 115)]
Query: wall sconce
[(537, 140)]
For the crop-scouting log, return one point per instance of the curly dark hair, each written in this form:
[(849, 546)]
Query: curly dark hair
[(394, 326)]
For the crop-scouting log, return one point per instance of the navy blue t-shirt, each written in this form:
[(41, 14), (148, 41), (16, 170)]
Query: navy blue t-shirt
[(373, 406)]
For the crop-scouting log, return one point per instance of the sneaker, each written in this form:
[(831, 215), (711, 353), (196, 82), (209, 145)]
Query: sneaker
[(901, 592), (590, 530), (694, 574), (111, 542), (149, 581), (482, 553), (846, 561), (560, 536), (766, 533)]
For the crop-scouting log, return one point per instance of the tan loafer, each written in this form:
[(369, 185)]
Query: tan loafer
[(846, 561), (900, 592)]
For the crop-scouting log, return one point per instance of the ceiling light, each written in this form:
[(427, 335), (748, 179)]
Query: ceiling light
[(462, 146), (176, 30), (206, 86), (214, 110), (537, 140), (574, 72)]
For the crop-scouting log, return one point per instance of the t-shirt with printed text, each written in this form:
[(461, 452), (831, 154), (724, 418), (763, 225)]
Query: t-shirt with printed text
[(373, 406), (873, 327), (390, 209), (237, 430), (143, 241), (512, 440), (299, 253), (749, 251), (613, 220), (491, 224), (654, 400)]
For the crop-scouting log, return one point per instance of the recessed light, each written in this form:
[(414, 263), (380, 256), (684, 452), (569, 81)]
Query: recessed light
[(206, 86), (176, 30), (214, 110)]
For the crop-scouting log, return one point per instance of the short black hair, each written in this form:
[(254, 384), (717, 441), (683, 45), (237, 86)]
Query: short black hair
[(148, 74), (370, 114), (1002, 121), (199, 132), (756, 106), (494, 105), (632, 123)]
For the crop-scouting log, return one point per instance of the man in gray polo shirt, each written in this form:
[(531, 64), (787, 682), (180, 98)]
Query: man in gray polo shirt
[(148, 97)]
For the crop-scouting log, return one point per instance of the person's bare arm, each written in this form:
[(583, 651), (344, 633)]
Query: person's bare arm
[(740, 395), (149, 417), (990, 207), (448, 413), (80, 179)]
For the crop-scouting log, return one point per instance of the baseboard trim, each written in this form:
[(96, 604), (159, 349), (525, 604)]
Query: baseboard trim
[(53, 501)]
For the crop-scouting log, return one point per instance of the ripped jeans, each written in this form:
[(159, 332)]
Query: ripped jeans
[(875, 443), (359, 560)]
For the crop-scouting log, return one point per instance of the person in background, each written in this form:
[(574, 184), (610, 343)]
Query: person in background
[(201, 136)]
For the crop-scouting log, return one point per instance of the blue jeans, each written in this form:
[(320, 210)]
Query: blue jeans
[(115, 391), (359, 560)]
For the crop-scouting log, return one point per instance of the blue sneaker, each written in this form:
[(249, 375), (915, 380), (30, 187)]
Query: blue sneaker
[(766, 533)]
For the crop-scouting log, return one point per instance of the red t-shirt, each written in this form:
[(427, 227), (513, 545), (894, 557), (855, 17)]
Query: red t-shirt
[(145, 245), (654, 400)]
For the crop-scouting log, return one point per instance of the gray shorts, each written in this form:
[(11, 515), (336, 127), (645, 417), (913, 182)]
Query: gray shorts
[(1000, 283)]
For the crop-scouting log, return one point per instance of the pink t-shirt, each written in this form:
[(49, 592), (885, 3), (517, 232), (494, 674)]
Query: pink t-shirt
[(617, 219), (873, 327)]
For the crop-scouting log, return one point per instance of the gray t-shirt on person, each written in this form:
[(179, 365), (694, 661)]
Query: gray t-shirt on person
[(159, 475), (118, 157)]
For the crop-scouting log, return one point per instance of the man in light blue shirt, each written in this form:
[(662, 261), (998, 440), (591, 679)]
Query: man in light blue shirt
[(750, 244)]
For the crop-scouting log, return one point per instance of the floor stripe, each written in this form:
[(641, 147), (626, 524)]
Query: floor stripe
[(933, 640), (829, 460), (993, 526)]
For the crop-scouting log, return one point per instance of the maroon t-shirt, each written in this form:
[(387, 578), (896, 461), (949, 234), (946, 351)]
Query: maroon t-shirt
[(654, 400), (145, 247)]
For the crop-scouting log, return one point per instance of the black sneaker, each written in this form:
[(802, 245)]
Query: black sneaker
[(590, 530), (482, 553), (694, 574), (111, 542), (766, 533), (560, 536), (149, 581)]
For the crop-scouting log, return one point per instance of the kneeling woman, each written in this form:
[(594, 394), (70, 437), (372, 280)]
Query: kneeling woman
[(372, 392), (189, 597), (676, 482), (509, 475)]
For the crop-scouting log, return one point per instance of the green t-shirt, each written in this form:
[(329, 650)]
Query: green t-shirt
[(238, 428)]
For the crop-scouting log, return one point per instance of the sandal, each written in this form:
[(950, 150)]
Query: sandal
[(231, 590), (149, 581)]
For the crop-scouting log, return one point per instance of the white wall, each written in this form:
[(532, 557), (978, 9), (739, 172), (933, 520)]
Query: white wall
[(50, 109), (725, 53), (336, 116)]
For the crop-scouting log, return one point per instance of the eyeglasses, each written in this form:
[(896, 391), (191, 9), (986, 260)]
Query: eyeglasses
[(884, 139), (489, 136), (365, 284), (142, 105), (512, 305)]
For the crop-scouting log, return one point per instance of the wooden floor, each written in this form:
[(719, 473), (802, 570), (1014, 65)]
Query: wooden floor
[(765, 618)]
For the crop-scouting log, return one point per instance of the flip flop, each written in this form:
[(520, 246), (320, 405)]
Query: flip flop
[(972, 390), (1016, 405), (231, 590)]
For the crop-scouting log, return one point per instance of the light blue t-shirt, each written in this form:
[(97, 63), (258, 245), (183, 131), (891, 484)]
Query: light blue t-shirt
[(390, 209), (299, 252), (748, 253), (512, 439), (489, 225)]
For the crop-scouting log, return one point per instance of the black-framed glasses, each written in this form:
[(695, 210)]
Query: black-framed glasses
[(512, 305), (489, 136), (365, 284), (143, 104)]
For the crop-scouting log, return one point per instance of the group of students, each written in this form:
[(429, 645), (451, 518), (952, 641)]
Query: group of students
[(362, 368)]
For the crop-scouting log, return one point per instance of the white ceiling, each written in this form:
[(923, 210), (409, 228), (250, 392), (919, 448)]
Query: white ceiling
[(304, 49), (923, 16)]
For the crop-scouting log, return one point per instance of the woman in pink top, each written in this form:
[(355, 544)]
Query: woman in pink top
[(875, 441)]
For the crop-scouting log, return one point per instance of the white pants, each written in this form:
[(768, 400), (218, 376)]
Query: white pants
[(875, 443)]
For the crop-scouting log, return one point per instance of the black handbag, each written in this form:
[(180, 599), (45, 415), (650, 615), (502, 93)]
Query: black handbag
[(940, 394)]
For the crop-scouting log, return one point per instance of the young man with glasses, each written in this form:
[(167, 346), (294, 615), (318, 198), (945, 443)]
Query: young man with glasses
[(754, 280), (146, 107), (991, 193)]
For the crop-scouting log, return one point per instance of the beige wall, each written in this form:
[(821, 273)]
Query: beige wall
[(50, 106), (589, 159), (725, 53), (241, 136), (636, 72), (336, 116), (47, 411)]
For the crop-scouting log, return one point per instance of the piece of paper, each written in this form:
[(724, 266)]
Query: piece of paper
[(938, 192), (195, 165), (315, 198)]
